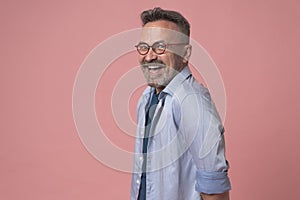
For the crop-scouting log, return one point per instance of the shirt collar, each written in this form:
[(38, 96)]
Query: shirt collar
[(177, 80)]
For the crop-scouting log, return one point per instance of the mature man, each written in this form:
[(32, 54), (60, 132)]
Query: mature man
[(179, 150)]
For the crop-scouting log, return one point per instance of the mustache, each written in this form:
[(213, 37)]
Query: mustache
[(153, 62)]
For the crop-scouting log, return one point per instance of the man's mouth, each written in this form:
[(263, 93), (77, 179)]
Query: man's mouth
[(153, 66), (154, 70)]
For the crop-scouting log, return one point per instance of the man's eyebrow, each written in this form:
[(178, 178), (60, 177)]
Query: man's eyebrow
[(159, 41), (142, 42)]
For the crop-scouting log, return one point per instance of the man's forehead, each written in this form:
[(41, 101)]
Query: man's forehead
[(157, 31)]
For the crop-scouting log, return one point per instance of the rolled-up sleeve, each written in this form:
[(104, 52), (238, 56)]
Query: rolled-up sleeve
[(212, 182)]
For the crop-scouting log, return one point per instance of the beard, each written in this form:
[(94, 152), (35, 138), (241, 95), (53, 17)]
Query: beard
[(158, 74)]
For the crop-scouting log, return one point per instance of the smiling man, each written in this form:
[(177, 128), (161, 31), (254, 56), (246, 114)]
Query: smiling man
[(180, 148)]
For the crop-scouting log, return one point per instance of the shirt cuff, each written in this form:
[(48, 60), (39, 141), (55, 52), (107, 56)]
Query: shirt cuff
[(212, 182)]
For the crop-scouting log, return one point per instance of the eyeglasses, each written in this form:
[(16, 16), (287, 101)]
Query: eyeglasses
[(158, 47)]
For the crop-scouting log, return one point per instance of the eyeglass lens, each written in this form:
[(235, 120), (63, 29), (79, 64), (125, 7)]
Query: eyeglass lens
[(158, 48)]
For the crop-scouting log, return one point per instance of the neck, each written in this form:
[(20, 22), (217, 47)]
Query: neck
[(159, 89)]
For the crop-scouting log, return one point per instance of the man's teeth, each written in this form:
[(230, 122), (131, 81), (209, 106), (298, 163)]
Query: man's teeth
[(154, 67)]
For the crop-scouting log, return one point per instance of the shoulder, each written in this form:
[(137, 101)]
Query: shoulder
[(191, 100), (192, 89)]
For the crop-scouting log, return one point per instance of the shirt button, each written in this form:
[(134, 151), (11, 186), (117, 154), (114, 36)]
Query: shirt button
[(141, 158), (138, 181)]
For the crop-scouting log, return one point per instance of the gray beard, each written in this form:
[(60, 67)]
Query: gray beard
[(161, 80)]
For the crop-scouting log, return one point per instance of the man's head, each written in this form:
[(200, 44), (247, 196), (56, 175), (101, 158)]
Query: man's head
[(164, 47)]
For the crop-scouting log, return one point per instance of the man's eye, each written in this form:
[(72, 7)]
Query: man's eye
[(143, 47), (160, 46)]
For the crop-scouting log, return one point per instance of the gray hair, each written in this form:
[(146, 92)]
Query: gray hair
[(157, 14)]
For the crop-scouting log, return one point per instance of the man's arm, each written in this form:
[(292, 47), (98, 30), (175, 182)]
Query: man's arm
[(223, 196), (203, 126)]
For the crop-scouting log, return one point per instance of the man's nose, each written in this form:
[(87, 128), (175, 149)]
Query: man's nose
[(151, 55)]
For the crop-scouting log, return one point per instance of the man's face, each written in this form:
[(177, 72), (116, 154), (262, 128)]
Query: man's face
[(160, 69)]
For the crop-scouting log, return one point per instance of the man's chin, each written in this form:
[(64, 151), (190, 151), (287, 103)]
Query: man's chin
[(156, 85), (151, 84)]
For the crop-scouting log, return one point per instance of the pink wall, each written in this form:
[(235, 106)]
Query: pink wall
[(254, 43)]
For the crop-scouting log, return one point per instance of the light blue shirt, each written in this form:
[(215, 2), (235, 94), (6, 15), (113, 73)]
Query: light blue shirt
[(186, 149)]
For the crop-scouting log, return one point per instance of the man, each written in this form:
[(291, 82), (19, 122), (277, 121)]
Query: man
[(179, 150)]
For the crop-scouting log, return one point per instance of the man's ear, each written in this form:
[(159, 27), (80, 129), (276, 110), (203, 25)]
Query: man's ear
[(187, 54)]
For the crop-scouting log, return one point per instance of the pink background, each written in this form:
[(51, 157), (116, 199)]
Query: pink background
[(43, 43)]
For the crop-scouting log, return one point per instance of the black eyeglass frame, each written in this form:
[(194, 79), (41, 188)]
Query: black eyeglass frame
[(155, 49)]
